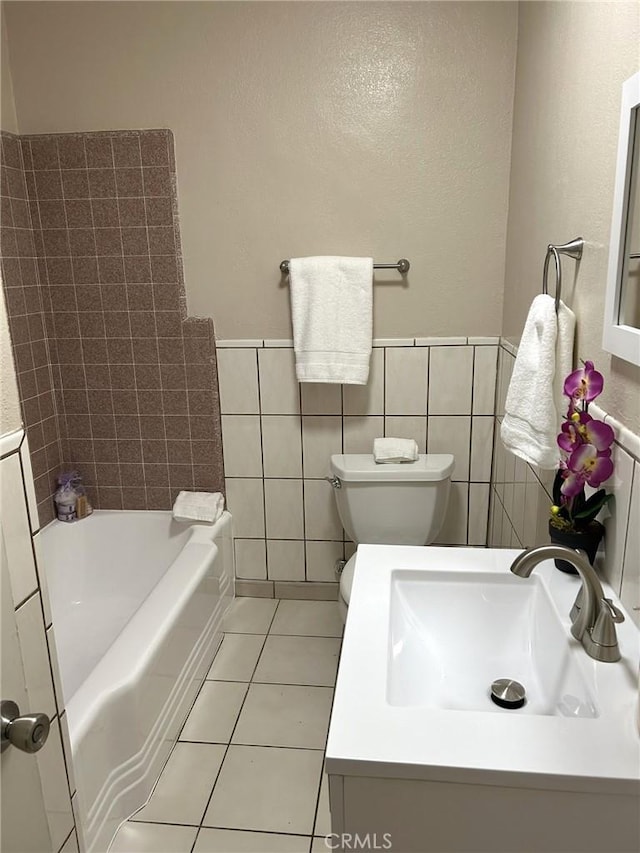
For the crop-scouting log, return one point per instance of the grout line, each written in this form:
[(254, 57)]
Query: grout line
[(473, 384), (153, 311), (67, 838), (256, 831), (254, 745), (262, 478), (28, 598), (309, 636), (302, 474), (244, 699), (333, 699)]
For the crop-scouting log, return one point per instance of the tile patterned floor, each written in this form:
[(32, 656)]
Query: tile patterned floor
[(246, 775)]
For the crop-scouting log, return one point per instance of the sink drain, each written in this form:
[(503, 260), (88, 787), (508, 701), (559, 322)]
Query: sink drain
[(508, 693)]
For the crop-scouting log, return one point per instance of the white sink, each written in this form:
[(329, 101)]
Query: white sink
[(453, 634), (430, 628)]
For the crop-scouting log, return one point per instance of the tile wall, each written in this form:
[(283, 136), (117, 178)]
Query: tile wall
[(24, 593), (278, 436), (93, 278), (29, 320), (521, 498)]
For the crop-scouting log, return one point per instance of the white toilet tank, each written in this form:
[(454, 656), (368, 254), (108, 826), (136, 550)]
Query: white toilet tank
[(392, 504)]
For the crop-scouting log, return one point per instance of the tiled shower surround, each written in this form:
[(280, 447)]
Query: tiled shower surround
[(29, 323), (93, 278), (279, 434)]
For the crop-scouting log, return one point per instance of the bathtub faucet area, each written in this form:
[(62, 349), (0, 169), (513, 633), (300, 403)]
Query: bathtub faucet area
[(593, 615)]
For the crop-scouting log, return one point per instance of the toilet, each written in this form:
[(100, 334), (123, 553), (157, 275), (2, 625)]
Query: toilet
[(389, 504)]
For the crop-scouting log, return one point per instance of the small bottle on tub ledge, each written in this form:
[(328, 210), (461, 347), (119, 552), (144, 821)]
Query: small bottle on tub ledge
[(72, 503)]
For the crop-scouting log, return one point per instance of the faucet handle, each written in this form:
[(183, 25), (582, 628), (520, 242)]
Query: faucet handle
[(603, 639), (616, 614)]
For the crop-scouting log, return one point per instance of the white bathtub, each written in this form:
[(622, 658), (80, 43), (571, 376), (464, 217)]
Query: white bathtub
[(137, 601)]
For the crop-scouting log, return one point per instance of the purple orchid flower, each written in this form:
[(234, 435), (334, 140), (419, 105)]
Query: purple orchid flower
[(584, 384), (586, 465), (583, 429), (586, 454)]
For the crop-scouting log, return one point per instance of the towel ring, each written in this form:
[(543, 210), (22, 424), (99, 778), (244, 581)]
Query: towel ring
[(574, 250), (551, 250)]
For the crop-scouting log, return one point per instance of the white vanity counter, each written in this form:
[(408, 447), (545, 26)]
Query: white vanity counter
[(582, 739)]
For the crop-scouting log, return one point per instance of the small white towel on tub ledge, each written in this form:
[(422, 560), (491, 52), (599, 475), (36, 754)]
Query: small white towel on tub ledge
[(198, 506), (395, 450), (332, 314), (531, 421)]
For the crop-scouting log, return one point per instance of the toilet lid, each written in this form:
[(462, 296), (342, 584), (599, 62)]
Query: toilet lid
[(346, 579)]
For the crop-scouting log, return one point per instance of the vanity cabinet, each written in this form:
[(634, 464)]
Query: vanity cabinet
[(418, 816)]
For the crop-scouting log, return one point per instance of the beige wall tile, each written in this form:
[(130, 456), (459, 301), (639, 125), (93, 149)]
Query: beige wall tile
[(284, 509), (321, 438), (281, 446), (406, 372), (285, 559), (450, 380), (238, 381), (279, 388)]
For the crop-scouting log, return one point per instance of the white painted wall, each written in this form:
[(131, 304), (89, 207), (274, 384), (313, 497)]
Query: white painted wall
[(302, 128), (572, 60)]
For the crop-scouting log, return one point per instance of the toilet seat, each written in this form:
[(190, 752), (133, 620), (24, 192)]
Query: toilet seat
[(346, 579)]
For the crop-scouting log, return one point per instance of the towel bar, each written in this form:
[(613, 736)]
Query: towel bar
[(402, 266), (574, 250)]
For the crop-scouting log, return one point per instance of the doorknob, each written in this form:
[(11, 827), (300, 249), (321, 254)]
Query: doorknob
[(28, 732)]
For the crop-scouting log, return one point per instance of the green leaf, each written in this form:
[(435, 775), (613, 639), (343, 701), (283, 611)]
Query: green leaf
[(593, 506)]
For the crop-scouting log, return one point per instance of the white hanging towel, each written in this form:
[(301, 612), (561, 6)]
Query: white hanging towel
[(531, 422), (331, 309), (564, 359), (198, 506)]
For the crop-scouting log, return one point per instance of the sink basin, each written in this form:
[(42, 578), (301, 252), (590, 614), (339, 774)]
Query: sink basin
[(451, 636), (429, 629)]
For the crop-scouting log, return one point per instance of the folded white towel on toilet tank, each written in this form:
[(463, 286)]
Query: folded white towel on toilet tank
[(394, 450), (198, 506), (332, 318)]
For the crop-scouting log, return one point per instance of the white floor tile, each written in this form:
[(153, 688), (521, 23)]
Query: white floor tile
[(185, 784), (250, 615), (299, 660), (71, 844), (282, 715), (307, 619), (236, 658), (214, 712), (233, 841), (319, 845), (323, 816), (153, 838), (245, 796)]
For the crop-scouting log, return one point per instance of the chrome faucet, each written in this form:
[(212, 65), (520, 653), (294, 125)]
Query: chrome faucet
[(592, 615)]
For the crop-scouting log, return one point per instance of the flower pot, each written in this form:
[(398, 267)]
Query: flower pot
[(587, 540)]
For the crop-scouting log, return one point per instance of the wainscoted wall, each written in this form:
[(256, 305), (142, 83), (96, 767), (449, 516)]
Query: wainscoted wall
[(279, 434), (28, 644), (521, 498), (97, 310)]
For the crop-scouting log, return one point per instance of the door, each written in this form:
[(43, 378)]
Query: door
[(24, 827), (35, 790)]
